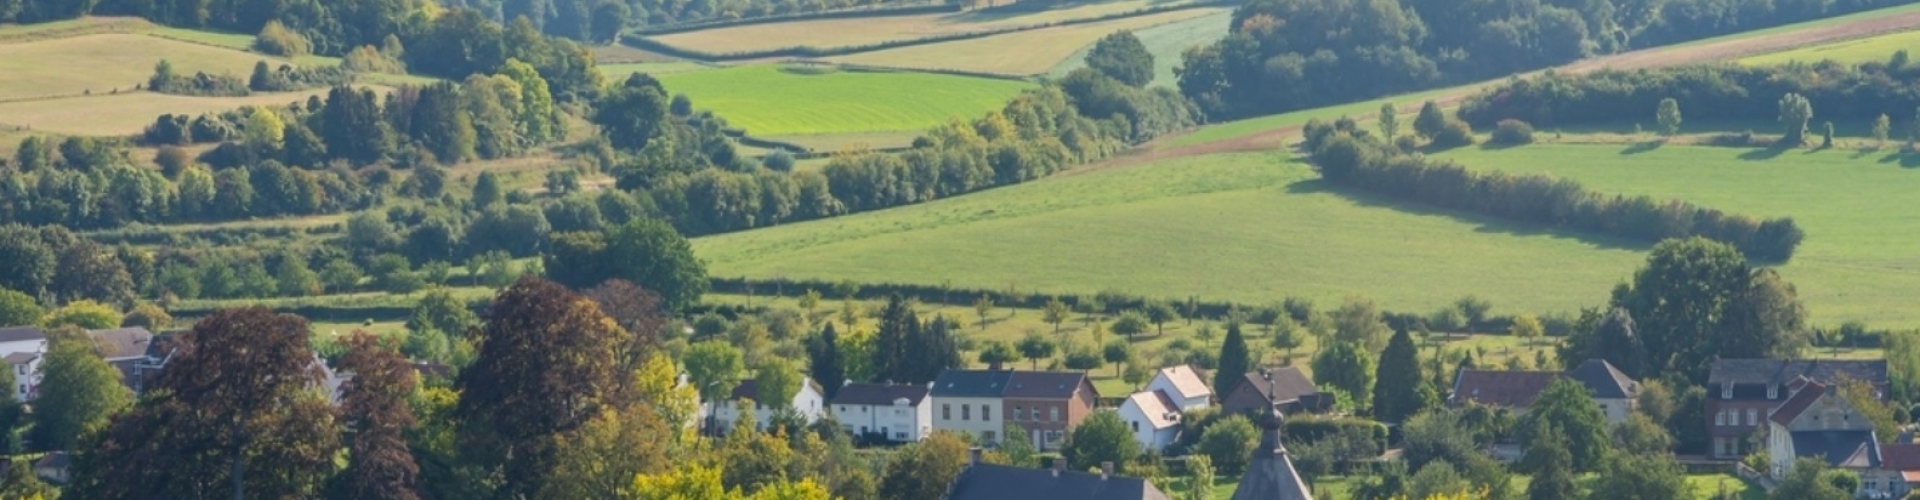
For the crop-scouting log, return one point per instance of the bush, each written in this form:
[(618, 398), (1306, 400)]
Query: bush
[(1511, 132), (1406, 143), (277, 40), (779, 160), (1454, 134), (1312, 429)]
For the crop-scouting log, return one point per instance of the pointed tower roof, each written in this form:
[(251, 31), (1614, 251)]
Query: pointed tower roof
[(1270, 476)]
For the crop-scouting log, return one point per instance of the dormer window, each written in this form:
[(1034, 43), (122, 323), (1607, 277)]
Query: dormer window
[(1726, 391), (1773, 391)]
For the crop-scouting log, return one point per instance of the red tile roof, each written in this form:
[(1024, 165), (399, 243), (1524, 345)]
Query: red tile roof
[(1513, 389), (1800, 401), (1900, 456)]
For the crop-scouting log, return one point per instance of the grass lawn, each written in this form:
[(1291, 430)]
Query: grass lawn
[(1023, 53), (1166, 42), (855, 141), (1706, 486), (849, 32), (1859, 260), (1248, 227), (771, 100), (101, 63), (619, 71), (1249, 126), (127, 113), (1871, 49)]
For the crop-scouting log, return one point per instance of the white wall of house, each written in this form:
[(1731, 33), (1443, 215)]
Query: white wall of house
[(978, 417), (1617, 410), (901, 421), (1188, 402), (1150, 438), (26, 377), (808, 402)]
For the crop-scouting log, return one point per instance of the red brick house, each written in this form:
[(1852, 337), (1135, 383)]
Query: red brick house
[(1742, 393)]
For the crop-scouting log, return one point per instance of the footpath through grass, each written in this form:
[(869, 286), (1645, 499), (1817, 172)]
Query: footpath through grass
[(1248, 227), (1860, 260), (773, 100)]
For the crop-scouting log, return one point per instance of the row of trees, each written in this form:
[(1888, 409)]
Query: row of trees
[(1858, 94), (1350, 156), (1297, 54)]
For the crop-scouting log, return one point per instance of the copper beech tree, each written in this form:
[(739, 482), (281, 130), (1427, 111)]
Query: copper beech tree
[(375, 407)]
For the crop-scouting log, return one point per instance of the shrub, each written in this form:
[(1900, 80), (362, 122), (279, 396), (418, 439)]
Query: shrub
[(276, 39), (367, 59), (1406, 143), (779, 160), (1511, 132), (1312, 429), (172, 160), (1454, 134)]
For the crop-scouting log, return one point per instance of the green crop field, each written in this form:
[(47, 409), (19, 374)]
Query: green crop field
[(621, 70), (1024, 53), (1165, 42), (101, 63), (770, 100), (1870, 49), (858, 31), (1246, 227), (1856, 209)]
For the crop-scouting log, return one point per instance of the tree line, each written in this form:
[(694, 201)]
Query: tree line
[(1350, 156), (1838, 92), (1297, 54)]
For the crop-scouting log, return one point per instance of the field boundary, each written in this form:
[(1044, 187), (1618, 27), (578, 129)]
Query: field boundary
[(807, 51), (854, 13)]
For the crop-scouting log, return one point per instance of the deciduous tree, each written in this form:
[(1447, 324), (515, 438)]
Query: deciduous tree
[(1055, 313), (1795, 112), (1575, 418), (1345, 366), (1121, 55), (1102, 437), (1229, 443), (1036, 347), (1160, 312), (19, 309), (78, 391), (1668, 115), (925, 469), (1117, 353), (381, 467), (1389, 119)]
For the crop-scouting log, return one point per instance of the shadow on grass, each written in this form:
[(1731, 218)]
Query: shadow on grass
[(1906, 159), (1642, 147), (1766, 153), (1482, 223)]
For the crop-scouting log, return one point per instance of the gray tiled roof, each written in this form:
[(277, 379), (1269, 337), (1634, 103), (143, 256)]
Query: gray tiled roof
[(121, 343), (1288, 384), (1781, 371), (971, 383), (1003, 482), (1850, 449), (19, 333), (1604, 380), (879, 394), (1044, 385)]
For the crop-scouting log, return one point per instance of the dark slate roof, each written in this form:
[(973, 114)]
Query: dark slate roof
[(1513, 389), (1603, 380), (19, 333), (879, 394), (1798, 403), (20, 358), (1850, 449), (1003, 482), (1288, 384), (1045, 385), (971, 383), (748, 389), (162, 346), (1900, 456), (121, 343), (1781, 371)]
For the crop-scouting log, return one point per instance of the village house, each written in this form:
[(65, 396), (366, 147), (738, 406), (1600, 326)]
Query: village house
[(884, 412), (1516, 390), (1289, 389), (964, 400), (981, 403), (1184, 385), (1743, 392), (1154, 418), (808, 402), (23, 348), (122, 348), (985, 481), (1817, 422)]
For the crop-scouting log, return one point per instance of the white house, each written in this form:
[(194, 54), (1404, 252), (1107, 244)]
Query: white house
[(23, 347), (1184, 385), (885, 412), (1818, 422), (1154, 418), (808, 402), (966, 401)]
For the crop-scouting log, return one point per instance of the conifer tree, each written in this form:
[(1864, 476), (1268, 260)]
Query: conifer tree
[(1234, 360), (1398, 390)]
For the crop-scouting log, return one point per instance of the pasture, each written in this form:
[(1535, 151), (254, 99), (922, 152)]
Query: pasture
[(1849, 202), (1165, 42), (617, 71), (771, 100), (128, 113), (1870, 49), (1024, 53), (860, 31), (101, 63), (1243, 227)]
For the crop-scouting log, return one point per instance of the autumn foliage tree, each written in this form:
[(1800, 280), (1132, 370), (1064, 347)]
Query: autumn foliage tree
[(234, 413), (546, 366), (375, 407)]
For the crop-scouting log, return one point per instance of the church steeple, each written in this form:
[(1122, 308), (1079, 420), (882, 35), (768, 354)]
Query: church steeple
[(1271, 475)]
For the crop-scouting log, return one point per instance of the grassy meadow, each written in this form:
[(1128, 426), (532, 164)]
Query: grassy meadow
[(101, 63), (1166, 42), (771, 100), (1024, 53), (1870, 49), (1246, 227), (127, 113), (1849, 202), (618, 71), (859, 31)]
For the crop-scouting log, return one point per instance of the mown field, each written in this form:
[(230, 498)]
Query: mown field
[(1858, 262), (128, 113), (1870, 49), (102, 63), (1023, 53), (770, 100), (851, 32), (1165, 42), (1245, 227)]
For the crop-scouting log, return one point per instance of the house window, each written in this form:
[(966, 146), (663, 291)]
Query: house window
[(1726, 391), (987, 436), (1773, 391), (966, 412), (946, 412), (1720, 417), (1136, 425), (1019, 413), (863, 409), (902, 436), (1753, 417), (986, 413), (1053, 413)]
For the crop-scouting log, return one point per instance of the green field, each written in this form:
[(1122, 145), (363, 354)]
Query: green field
[(1165, 42), (863, 31), (1249, 227), (1022, 53), (621, 70), (1870, 49), (100, 63), (1859, 261), (770, 100)]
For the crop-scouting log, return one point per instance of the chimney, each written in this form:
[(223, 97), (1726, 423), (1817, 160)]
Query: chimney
[(1106, 470), (973, 456), (1059, 465)]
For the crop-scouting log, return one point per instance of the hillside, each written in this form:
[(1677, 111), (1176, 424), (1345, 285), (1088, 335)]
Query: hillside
[(770, 100)]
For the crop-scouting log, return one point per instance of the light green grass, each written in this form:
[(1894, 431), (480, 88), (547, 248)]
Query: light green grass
[(1365, 109), (864, 31), (1022, 53), (618, 71), (1251, 228), (1706, 486), (1166, 42), (101, 63), (1871, 49), (1816, 23), (767, 100), (1860, 260), (841, 142), (233, 41)]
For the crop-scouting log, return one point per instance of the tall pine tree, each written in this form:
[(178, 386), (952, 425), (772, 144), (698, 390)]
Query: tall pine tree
[(898, 325), (1234, 361), (826, 366), (1398, 390), (932, 351)]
